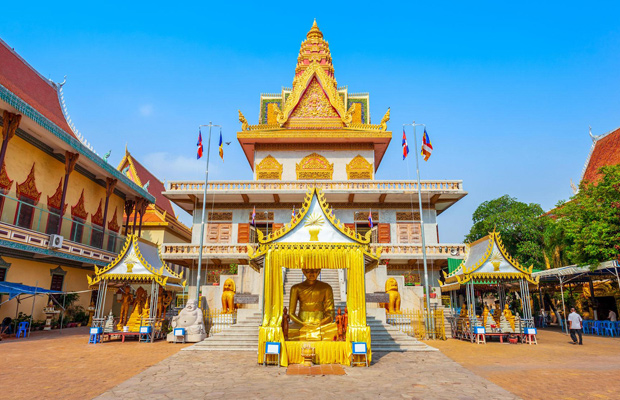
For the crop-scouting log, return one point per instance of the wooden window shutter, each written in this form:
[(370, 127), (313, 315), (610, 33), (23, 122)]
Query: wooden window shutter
[(409, 233), (224, 233), (276, 227), (243, 234), (212, 233), (383, 232)]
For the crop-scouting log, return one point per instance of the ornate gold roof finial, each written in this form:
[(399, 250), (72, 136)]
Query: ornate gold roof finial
[(244, 122), (315, 32), (385, 120)]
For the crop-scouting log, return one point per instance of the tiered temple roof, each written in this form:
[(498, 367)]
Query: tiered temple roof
[(315, 110), (161, 213)]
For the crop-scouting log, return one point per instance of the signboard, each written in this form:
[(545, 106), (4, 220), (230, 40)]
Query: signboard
[(530, 331), (179, 332), (145, 329), (479, 330), (272, 348), (359, 347)]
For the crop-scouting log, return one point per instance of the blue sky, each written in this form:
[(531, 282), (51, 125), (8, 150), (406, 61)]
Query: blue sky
[(507, 90)]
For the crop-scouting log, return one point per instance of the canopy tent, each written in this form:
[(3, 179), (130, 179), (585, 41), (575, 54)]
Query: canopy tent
[(487, 262), (16, 289), (139, 262), (314, 239), (574, 273)]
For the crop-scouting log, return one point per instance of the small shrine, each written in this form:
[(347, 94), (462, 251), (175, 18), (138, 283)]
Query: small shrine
[(310, 328), (481, 283), (144, 285)]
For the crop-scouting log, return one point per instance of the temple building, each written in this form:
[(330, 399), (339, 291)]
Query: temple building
[(605, 150), (314, 134), (61, 204)]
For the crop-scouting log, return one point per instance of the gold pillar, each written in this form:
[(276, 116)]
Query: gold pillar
[(70, 161), (110, 184)]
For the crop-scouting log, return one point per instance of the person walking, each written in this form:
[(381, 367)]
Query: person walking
[(612, 316), (576, 323)]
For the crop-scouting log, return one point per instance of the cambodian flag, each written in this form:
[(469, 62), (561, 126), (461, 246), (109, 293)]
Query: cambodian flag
[(405, 146), (370, 219), (254, 216), (293, 215), (199, 144), (427, 147)]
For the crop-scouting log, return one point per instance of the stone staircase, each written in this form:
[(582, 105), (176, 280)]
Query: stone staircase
[(242, 336), (386, 338)]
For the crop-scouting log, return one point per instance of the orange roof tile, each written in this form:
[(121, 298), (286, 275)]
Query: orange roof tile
[(605, 151)]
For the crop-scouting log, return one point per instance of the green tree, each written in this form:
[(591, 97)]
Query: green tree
[(518, 223), (589, 224)]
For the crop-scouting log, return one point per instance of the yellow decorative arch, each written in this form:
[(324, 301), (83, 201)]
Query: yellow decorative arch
[(314, 166), (269, 168), (359, 168)]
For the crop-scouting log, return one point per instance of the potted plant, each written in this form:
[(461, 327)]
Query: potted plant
[(433, 294)]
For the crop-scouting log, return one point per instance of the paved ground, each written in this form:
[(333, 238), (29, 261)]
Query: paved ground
[(555, 369), (235, 375), (49, 365), (53, 366)]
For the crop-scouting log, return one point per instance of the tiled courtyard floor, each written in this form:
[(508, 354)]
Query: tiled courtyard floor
[(53, 366), (555, 369), (235, 375)]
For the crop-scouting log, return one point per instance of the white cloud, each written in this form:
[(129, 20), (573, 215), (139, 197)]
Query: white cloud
[(146, 110), (177, 167)]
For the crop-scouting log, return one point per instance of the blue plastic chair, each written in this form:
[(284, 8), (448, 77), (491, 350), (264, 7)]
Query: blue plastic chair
[(608, 328), (616, 327), (22, 329), (597, 327), (587, 326)]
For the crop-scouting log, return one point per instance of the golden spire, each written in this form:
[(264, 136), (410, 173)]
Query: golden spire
[(314, 50)]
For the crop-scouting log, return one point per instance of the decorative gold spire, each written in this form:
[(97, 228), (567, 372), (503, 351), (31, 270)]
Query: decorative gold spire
[(314, 50)]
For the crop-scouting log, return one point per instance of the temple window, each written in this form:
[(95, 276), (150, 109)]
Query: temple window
[(408, 227), (77, 229), (25, 212), (3, 274), (96, 237), (263, 221), (111, 242), (53, 220), (362, 226)]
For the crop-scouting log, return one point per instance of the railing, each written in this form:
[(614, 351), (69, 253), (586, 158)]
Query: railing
[(248, 186), (179, 250), (24, 215), (412, 323), (217, 320)]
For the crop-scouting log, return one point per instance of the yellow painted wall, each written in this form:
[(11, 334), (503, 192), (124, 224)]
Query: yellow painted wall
[(33, 273), (49, 171)]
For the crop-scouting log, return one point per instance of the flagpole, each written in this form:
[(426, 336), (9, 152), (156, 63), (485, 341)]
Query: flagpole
[(429, 322), (204, 204)]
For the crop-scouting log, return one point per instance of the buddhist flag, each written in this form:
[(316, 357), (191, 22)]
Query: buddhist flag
[(427, 147), (254, 216), (370, 219), (221, 148), (405, 146), (199, 144)]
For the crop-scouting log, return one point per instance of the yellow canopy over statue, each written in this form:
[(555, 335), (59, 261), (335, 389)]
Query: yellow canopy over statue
[(314, 240)]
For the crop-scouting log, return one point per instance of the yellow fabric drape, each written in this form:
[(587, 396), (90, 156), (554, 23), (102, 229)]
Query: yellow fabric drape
[(271, 329), (325, 352), (349, 258), (357, 330)]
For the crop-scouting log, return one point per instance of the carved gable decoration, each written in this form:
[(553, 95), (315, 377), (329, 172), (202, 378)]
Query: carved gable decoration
[(314, 104), (78, 210), (97, 217), (54, 201), (359, 168), (269, 168), (28, 188), (5, 182), (113, 224), (314, 166)]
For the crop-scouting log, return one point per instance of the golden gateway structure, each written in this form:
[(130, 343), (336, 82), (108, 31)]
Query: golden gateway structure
[(315, 134)]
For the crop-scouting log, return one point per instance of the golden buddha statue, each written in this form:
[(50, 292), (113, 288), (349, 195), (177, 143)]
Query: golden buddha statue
[(485, 313), (228, 297), (391, 288), (315, 319), (509, 317)]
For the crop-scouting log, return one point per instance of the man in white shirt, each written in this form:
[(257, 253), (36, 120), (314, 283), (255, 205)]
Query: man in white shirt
[(575, 323), (612, 316)]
